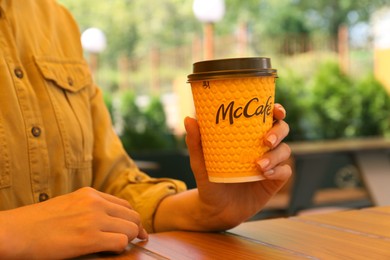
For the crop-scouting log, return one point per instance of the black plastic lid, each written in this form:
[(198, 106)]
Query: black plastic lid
[(232, 68)]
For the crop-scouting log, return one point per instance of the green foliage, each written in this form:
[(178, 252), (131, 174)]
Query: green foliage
[(374, 108), (155, 112), (290, 92), (284, 18), (163, 23), (142, 129), (324, 105), (328, 15), (334, 103), (134, 26)]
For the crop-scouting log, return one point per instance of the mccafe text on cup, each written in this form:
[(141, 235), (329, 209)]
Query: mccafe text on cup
[(234, 101)]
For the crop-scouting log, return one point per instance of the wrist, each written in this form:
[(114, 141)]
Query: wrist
[(181, 211), (185, 211)]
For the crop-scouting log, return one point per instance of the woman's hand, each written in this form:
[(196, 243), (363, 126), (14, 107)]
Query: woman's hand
[(83, 222), (226, 205)]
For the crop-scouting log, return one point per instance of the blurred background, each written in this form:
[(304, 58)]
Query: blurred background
[(332, 57)]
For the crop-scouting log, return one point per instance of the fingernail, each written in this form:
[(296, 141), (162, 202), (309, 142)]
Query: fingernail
[(283, 110), (269, 172), (145, 235), (272, 139), (186, 121), (263, 163)]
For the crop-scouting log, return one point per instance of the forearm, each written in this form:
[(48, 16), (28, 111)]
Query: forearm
[(173, 214)]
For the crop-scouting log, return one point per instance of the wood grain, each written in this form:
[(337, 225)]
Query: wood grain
[(193, 245), (318, 241), (356, 234), (366, 223)]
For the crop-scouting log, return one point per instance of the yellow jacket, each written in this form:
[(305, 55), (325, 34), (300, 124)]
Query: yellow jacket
[(55, 131)]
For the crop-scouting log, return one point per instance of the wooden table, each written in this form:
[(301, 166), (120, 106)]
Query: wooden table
[(312, 160), (355, 234)]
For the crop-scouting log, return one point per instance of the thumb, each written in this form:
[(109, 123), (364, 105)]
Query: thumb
[(194, 145)]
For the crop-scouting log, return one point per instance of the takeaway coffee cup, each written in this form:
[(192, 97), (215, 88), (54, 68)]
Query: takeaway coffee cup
[(234, 101)]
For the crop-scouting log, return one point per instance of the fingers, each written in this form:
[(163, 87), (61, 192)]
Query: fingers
[(132, 229), (195, 148), (269, 164), (121, 218), (193, 135), (280, 128), (115, 200), (88, 192), (110, 242), (279, 112), (129, 221), (120, 226), (143, 234), (276, 134)]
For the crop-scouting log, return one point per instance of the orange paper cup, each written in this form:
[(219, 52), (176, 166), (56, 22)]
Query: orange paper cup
[(234, 101)]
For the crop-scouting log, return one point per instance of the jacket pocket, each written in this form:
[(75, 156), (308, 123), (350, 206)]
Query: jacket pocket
[(69, 85)]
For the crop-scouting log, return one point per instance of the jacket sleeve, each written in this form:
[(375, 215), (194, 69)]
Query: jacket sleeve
[(116, 173)]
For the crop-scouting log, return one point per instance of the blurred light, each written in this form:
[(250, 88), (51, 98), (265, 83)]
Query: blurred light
[(359, 34), (93, 40), (381, 26), (209, 11)]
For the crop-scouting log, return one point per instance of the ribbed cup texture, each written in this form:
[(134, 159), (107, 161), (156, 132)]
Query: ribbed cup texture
[(234, 115)]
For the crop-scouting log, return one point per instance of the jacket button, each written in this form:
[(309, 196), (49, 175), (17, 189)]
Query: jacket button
[(43, 197), (36, 131), (70, 81), (19, 73)]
